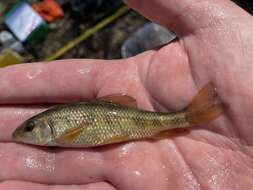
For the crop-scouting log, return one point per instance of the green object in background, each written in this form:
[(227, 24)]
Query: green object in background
[(25, 23), (108, 20), (9, 57)]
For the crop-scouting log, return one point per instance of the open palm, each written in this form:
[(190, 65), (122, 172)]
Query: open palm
[(215, 44)]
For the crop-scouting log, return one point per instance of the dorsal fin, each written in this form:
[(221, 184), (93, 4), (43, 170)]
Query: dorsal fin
[(120, 99)]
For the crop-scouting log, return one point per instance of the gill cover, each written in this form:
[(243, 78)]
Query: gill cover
[(34, 131)]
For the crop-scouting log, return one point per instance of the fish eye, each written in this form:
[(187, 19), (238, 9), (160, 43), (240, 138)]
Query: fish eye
[(29, 126)]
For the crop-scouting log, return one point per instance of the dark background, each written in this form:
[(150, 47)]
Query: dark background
[(105, 44)]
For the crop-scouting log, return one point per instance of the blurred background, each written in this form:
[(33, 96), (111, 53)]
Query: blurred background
[(35, 30)]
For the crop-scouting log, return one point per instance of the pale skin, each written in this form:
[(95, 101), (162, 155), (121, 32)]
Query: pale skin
[(215, 44)]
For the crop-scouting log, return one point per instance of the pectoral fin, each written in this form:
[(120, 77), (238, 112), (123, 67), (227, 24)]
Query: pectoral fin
[(70, 135), (120, 99)]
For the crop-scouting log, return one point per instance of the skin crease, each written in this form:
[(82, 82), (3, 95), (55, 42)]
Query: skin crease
[(215, 44)]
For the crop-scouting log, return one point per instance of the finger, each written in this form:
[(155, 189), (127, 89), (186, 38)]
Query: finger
[(63, 81), (12, 185), (54, 82), (12, 116), (28, 83), (49, 166), (186, 16), (168, 78)]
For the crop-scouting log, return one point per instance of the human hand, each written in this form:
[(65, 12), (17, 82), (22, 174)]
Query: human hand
[(215, 44)]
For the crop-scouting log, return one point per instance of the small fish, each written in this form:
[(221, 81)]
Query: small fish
[(113, 119)]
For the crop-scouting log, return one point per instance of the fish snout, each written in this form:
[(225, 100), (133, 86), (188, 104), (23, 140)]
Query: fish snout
[(16, 135)]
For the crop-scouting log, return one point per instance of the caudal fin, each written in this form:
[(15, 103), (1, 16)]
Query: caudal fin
[(204, 107)]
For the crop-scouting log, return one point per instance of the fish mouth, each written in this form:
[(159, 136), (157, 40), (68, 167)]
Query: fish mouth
[(16, 134), (19, 136)]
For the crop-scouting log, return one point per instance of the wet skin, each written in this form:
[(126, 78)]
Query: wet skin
[(215, 43)]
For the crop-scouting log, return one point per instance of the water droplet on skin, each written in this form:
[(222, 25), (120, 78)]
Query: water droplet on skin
[(82, 156), (23, 113), (137, 173), (31, 162), (93, 158), (125, 150), (31, 74), (213, 179), (40, 161), (18, 112), (218, 178), (84, 71)]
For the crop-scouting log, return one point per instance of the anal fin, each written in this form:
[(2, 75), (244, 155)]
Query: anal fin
[(116, 139), (169, 133)]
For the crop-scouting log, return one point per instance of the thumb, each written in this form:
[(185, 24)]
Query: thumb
[(187, 16)]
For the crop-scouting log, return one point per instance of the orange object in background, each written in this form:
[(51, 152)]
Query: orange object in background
[(50, 10)]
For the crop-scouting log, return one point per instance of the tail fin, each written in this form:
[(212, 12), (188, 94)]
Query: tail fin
[(204, 106)]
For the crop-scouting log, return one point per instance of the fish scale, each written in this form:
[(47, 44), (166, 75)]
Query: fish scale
[(106, 122)]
